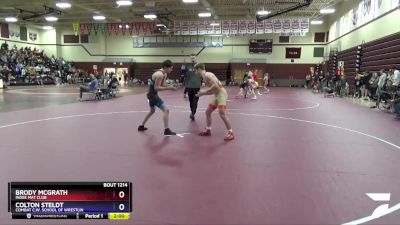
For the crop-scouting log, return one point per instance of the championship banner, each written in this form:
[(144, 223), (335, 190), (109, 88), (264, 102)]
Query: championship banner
[(89, 28), (110, 28), (293, 53), (260, 27), (177, 28), (185, 28), (96, 28), (75, 26), (378, 8), (82, 28), (226, 27), (277, 26), (131, 28), (209, 27), (242, 27), (103, 28), (251, 26), (217, 27), (234, 27), (269, 26), (116, 28), (304, 25), (193, 28), (124, 28), (138, 28), (286, 26), (367, 11), (295, 26), (149, 28), (201, 27)]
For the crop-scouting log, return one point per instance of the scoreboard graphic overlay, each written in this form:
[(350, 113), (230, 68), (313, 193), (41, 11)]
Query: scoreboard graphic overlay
[(70, 200)]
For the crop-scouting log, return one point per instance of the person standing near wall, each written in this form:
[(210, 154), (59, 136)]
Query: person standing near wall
[(308, 81), (192, 85)]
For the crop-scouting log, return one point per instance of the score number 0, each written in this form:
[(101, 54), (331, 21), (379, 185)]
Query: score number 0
[(121, 206)]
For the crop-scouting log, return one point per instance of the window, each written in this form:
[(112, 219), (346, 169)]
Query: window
[(318, 52), (284, 39), (23, 33), (319, 37)]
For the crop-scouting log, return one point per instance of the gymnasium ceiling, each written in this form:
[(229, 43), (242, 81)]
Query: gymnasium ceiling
[(83, 10)]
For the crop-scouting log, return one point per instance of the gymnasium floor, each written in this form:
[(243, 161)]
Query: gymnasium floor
[(298, 158)]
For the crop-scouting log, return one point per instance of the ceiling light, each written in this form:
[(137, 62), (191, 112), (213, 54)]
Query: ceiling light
[(51, 18), (263, 12), (190, 1), (214, 24), (47, 28), (327, 11), (127, 26), (150, 16), (63, 5), (99, 17), (205, 14), (124, 2), (160, 25), (11, 19), (317, 22)]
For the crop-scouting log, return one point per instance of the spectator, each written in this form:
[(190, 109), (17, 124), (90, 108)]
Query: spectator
[(373, 85), (365, 78), (308, 81), (91, 88), (114, 82), (4, 46), (357, 84), (125, 77), (26, 64), (396, 77)]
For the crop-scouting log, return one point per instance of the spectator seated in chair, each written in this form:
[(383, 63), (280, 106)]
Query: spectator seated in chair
[(112, 87), (92, 88)]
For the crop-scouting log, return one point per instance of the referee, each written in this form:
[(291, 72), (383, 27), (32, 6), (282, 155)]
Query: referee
[(192, 85)]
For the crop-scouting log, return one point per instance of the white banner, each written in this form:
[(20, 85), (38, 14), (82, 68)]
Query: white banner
[(202, 27), (217, 26), (177, 28), (394, 3), (185, 28), (304, 25), (295, 25), (193, 28), (226, 24), (277, 26), (209, 27), (286, 25), (379, 9), (242, 27), (368, 13), (251, 26), (234, 27), (269, 26), (260, 27)]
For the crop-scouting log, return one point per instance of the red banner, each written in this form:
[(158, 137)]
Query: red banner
[(83, 28)]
